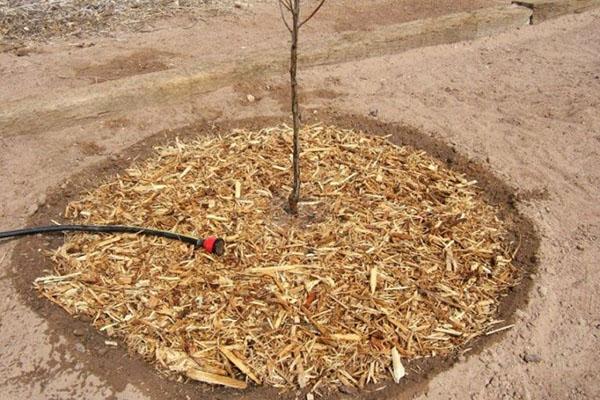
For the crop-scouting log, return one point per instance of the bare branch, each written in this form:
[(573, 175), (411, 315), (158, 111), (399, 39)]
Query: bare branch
[(281, 2), (316, 10), (286, 4)]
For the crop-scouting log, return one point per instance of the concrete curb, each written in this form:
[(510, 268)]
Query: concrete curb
[(547, 9), (77, 106)]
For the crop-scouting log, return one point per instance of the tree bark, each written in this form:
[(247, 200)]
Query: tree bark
[(295, 194)]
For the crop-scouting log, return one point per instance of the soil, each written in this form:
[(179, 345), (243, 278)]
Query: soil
[(180, 42), (33, 261), (141, 62), (40, 21), (522, 104), (368, 15)]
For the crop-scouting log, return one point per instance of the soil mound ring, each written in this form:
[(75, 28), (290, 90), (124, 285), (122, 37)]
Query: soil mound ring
[(392, 250)]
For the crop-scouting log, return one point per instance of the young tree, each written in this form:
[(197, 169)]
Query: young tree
[(293, 8)]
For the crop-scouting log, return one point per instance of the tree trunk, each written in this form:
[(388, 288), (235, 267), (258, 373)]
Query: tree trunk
[(295, 195)]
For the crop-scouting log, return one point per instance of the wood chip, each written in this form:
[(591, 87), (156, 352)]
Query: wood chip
[(346, 336), (215, 379), (504, 328), (373, 279), (391, 252), (238, 362), (397, 367)]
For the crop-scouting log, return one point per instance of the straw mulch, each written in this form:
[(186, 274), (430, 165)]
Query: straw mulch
[(45, 19), (392, 254)]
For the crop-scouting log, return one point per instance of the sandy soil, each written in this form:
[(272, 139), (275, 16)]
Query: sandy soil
[(524, 103), (27, 21), (185, 42)]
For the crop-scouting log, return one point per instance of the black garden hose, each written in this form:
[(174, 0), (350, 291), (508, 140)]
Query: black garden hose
[(211, 244)]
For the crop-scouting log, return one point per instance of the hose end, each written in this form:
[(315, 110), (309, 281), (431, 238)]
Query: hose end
[(214, 245)]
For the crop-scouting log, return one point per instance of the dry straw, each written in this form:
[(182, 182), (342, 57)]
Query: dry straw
[(393, 254), (47, 19)]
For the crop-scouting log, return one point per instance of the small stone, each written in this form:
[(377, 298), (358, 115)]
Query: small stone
[(80, 347), (239, 4), (32, 209), (23, 51), (85, 318), (521, 314), (78, 332), (63, 186), (579, 247), (542, 290), (41, 200), (310, 396), (250, 98), (532, 358)]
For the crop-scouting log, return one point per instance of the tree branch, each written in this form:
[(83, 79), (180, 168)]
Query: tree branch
[(287, 4), (281, 5), (316, 10)]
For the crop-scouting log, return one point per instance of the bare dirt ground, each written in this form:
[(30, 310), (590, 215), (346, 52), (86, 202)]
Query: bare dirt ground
[(523, 103), (33, 67), (23, 21)]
